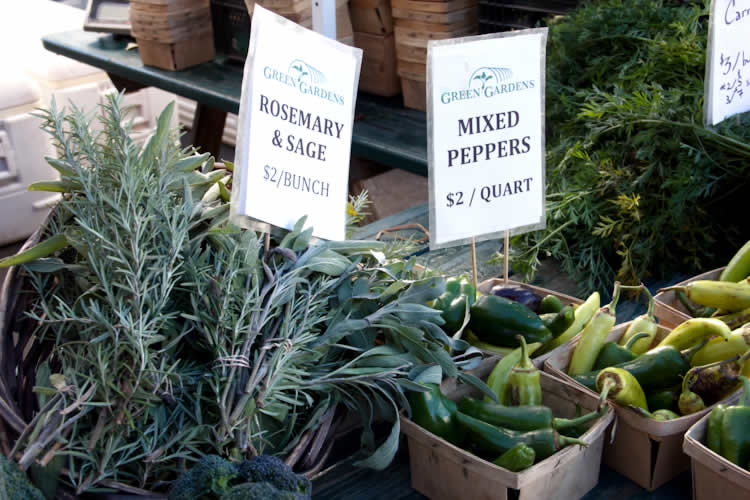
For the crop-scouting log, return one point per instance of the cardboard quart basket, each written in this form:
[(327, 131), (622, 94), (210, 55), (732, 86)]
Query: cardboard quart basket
[(714, 477), (440, 470), (647, 451), (669, 309), (485, 287)]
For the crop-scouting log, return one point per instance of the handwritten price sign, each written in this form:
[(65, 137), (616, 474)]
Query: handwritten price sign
[(728, 61)]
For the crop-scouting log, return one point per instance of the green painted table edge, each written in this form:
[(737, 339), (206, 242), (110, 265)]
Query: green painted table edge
[(384, 131)]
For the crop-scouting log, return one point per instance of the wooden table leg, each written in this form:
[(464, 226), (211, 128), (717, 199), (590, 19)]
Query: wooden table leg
[(208, 127), (123, 84)]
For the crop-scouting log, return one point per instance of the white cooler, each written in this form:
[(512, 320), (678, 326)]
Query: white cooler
[(23, 146)]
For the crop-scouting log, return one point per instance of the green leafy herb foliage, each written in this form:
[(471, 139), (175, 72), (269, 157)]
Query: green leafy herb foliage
[(637, 187), (175, 334)]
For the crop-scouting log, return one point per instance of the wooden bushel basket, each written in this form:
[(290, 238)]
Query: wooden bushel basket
[(669, 309), (538, 361), (21, 352), (442, 471), (713, 475), (645, 450)]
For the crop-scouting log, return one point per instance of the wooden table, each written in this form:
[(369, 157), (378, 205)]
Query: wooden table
[(384, 131)]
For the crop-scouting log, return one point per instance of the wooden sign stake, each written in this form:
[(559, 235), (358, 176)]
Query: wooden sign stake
[(267, 244), (474, 261), (506, 253)]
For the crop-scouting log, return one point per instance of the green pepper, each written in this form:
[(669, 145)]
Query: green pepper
[(459, 295), (656, 369), (713, 434), (521, 418), (498, 320), (516, 459), (550, 304), (558, 322), (523, 382), (664, 399), (497, 440), (613, 354), (593, 337), (620, 386), (435, 413), (661, 415), (498, 379), (735, 438)]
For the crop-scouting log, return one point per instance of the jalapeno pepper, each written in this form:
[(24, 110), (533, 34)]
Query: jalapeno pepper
[(521, 418), (436, 414), (661, 415), (613, 354), (735, 438), (497, 440), (664, 399), (516, 459), (656, 369), (453, 304), (523, 382), (550, 304)]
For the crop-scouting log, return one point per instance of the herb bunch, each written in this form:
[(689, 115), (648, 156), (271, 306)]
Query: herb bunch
[(174, 334), (636, 186)]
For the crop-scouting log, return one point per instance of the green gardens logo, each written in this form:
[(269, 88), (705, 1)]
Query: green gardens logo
[(487, 81), (305, 78)]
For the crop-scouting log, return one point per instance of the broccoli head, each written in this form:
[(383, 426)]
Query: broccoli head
[(268, 469), (14, 485), (257, 491), (208, 479)]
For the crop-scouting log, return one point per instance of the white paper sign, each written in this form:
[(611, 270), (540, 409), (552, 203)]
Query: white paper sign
[(295, 127), (728, 61), (485, 116)]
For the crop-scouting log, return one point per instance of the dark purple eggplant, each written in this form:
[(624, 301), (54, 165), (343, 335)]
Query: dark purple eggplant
[(519, 294)]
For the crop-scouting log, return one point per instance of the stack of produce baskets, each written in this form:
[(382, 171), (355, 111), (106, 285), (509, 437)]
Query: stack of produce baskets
[(172, 34)]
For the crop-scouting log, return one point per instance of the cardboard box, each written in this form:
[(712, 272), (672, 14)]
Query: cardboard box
[(177, 55), (714, 477), (378, 74), (487, 285), (440, 470), (414, 90), (669, 309), (392, 192), (647, 451), (371, 16)]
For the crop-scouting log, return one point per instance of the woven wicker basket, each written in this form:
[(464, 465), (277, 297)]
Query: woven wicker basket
[(21, 352)]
